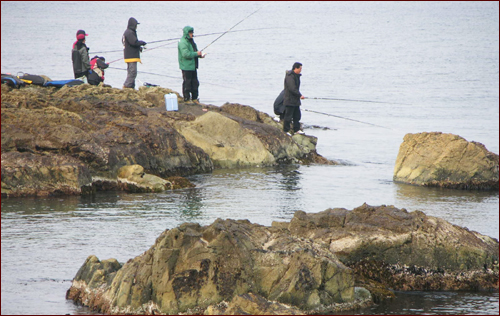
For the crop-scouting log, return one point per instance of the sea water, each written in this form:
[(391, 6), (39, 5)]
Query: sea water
[(407, 67)]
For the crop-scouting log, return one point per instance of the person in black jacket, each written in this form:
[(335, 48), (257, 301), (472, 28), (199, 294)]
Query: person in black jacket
[(132, 48), (292, 99), (80, 57)]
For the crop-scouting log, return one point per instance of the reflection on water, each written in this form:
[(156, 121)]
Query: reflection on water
[(420, 193), (476, 210)]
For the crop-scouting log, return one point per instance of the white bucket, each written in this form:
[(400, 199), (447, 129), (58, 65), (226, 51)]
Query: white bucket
[(171, 102)]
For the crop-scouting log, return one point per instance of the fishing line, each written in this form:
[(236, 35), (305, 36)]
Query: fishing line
[(345, 118), (200, 35), (233, 27), (178, 78), (352, 100)]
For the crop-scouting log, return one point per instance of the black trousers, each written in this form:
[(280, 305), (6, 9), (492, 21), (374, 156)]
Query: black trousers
[(190, 84), (292, 113)]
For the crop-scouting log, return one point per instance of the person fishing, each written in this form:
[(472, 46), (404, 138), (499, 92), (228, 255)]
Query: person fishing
[(80, 57), (97, 66), (188, 55), (292, 99), (132, 48)]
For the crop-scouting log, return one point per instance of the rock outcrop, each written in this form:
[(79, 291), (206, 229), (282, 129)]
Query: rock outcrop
[(312, 264), (25, 174), (99, 129), (446, 160), (402, 250)]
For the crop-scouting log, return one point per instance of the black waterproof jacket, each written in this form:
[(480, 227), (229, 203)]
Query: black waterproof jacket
[(132, 46), (292, 86), (279, 107)]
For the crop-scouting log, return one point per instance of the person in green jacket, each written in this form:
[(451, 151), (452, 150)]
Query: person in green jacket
[(188, 55)]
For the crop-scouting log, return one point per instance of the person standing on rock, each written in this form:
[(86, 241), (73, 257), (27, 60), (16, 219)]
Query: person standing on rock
[(80, 57), (188, 55), (132, 48), (292, 99)]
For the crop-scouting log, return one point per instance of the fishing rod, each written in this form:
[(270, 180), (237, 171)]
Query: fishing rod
[(148, 50), (350, 100), (345, 118), (176, 38), (233, 27), (208, 34)]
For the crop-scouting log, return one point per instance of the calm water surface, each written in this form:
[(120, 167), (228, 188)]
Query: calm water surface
[(433, 65)]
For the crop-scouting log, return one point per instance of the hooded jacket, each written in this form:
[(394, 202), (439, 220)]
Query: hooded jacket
[(187, 51), (132, 46), (292, 86)]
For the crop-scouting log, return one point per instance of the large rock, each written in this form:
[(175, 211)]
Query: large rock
[(446, 160), (193, 267), (310, 264), (234, 141)]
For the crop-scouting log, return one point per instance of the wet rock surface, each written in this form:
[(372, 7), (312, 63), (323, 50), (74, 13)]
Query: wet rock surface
[(101, 129), (447, 161), (334, 260)]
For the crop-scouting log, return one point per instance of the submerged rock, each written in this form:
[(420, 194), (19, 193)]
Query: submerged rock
[(312, 264), (446, 160), (102, 129)]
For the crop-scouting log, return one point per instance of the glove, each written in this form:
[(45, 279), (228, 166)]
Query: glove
[(142, 43)]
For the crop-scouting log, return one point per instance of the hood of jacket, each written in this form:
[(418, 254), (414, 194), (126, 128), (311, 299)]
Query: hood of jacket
[(186, 30), (132, 24)]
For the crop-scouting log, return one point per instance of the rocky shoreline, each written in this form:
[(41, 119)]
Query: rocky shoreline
[(74, 140)]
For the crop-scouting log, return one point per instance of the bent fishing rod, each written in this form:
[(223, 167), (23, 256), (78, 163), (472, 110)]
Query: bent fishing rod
[(346, 118), (233, 27)]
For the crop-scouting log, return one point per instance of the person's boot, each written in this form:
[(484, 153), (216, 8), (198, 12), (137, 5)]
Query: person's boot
[(196, 101)]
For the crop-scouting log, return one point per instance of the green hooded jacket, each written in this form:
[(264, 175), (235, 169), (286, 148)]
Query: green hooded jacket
[(187, 54)]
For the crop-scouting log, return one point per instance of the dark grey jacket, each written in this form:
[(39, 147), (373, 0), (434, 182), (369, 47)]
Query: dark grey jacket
[(80, 58), (292, 86), (132, 46)]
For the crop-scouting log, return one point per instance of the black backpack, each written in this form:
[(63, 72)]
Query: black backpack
[(77, 61), (32, 79)]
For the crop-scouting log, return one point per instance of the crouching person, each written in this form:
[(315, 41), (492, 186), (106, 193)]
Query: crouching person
[(97, 66)]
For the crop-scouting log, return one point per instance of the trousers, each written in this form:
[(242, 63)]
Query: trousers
[(131, 75), (190, 84), (292, 113)]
